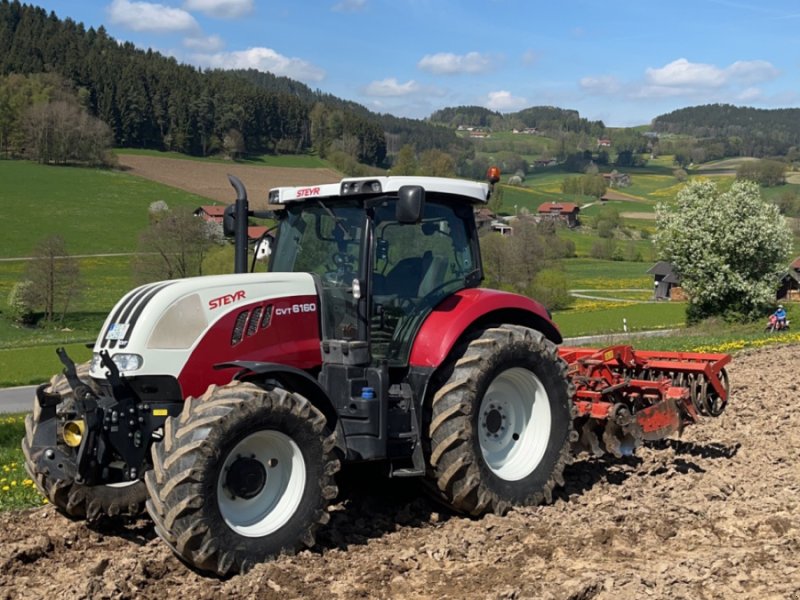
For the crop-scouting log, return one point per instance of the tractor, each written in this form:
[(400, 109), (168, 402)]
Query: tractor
[(226, 405)]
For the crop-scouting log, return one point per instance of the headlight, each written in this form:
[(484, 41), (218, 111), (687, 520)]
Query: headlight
[(124, 362)]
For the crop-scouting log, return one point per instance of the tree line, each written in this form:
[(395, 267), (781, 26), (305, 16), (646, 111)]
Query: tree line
[(151, 101), (728, 130)]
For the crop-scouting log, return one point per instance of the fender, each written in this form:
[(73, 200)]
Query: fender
[(293, 379), (470, 307)]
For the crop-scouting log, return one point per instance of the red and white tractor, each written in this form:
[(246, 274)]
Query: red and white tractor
[(226, 405)]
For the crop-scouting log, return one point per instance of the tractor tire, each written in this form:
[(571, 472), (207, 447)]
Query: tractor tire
[(501, 423), (242, 475), (71, 498)]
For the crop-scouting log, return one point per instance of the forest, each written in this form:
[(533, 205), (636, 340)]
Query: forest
[(151, 101)]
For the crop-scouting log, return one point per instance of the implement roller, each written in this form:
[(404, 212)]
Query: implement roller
[(624, 397)]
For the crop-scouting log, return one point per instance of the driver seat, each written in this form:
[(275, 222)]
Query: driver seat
[(406, 277)]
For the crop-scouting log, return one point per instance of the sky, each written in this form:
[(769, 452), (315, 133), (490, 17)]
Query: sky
[(620, 61)]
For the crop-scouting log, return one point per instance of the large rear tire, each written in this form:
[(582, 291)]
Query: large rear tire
[(74, 499), (500, 424), (242, 475)]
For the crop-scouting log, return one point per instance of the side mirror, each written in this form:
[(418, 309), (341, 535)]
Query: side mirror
[(410, 204), (229, 221)]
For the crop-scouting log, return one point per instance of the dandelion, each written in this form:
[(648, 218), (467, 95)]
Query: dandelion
[(6, 488), (14, 483)]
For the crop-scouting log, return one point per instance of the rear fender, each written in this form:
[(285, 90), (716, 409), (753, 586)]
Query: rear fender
[(293, 380), (472, 308)]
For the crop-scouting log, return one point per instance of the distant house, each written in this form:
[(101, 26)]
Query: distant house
[(665, 280), (254, 232), (789, 287), (565, 212), (484, 218), (548, 162), (616, 179), (213, 213), (603, 143)]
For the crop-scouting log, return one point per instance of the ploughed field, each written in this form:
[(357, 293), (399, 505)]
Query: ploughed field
[(210, 179), (714, 515)]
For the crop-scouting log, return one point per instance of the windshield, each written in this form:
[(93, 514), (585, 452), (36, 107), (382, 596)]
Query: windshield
[(326, 242)]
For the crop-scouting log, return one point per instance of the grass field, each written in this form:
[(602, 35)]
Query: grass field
[(94, 210)]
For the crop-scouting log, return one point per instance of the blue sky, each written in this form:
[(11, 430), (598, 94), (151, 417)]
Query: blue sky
[(624, 62)]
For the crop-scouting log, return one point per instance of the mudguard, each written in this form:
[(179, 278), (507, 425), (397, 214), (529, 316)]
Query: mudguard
[(469, 308)]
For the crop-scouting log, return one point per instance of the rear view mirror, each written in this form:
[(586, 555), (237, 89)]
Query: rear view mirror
[(410, 204), (229, 220)]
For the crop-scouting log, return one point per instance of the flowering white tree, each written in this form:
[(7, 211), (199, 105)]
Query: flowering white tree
[(728, 246)]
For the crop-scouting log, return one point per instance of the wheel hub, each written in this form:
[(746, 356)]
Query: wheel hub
[(494, 420), (246, 477)]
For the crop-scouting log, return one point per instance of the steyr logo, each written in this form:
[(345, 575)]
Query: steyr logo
[(226, 299)]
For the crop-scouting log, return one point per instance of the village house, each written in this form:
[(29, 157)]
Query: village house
[(666, 282), (215, 214), (789, 287), (560, 212), (615, 179)]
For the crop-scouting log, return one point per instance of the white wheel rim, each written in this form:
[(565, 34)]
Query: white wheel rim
[(514, 424), (279, 498)]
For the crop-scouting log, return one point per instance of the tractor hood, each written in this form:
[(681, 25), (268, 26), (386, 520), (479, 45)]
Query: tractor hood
[(163, 328)]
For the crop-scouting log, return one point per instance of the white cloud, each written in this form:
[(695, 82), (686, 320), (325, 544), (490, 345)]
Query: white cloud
[(222, 9), (748, 72), (505, 101), (390, 87), (603, 84), (349, 6), (202, 43), (146, 16), (687, 75), (751, 94), (445, 63), (682, 73), (263, 59)]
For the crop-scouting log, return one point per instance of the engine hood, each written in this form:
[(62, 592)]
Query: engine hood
[(162, 322)]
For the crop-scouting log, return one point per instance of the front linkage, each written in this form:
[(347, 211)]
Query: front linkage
[(95, 435)]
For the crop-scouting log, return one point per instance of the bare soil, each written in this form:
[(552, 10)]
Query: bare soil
[(714, 515), (210, 179)]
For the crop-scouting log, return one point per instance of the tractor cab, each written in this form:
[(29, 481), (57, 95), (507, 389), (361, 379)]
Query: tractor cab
[(383, 254)]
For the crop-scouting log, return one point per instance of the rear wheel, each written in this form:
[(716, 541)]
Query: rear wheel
[(244, 474), (75, 499), (500, 424)]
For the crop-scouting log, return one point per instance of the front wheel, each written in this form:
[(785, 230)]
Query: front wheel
[(500, 424), (242, 475)]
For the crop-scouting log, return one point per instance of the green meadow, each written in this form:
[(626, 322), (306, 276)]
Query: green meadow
[(101, 212)]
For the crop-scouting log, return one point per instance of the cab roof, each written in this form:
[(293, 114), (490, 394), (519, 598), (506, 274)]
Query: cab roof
[(473, 192)]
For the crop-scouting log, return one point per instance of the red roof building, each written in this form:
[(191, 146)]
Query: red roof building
[(560, 211)]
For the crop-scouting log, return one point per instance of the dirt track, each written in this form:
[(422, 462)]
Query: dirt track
[(211, 179), (715, 515)]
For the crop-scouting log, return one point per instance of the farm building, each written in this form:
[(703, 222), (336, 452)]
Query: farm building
[(563, 212), (665, 280), (212, 213), (789, 287), (617, 179)]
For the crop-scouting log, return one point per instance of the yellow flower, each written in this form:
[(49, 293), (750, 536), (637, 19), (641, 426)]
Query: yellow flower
[(6, 488), (14, 483)]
